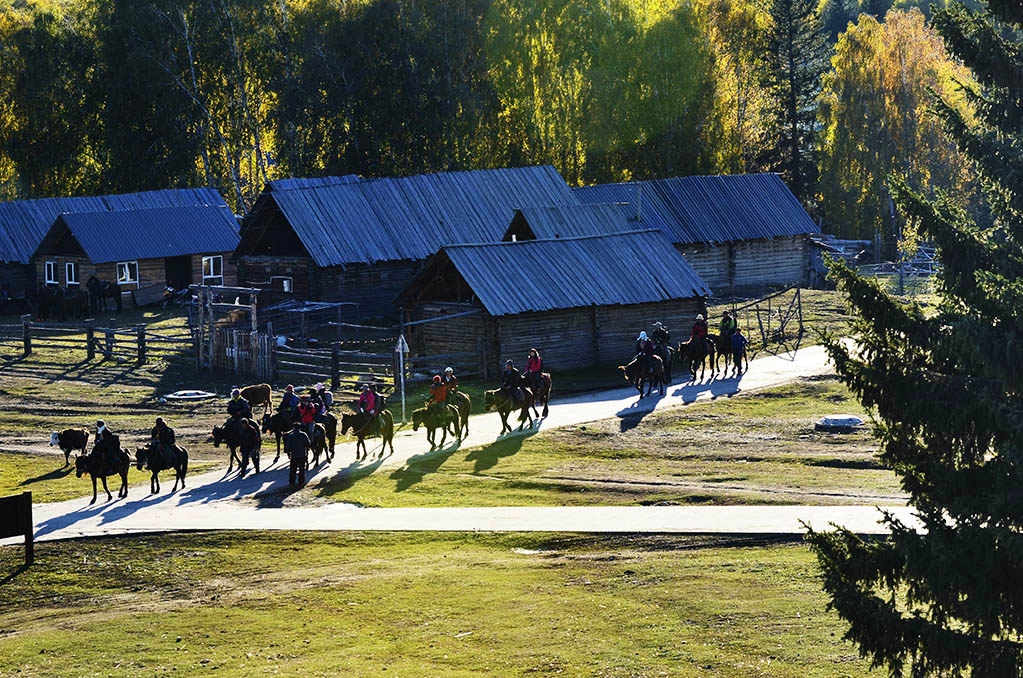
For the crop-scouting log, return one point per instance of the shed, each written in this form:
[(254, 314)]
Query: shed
[(739, 232), (346, 239), (166, 247), (579, 300), (24, 223)]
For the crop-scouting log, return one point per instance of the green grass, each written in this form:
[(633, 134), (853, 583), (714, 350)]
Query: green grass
[(328, 604), (759, 448)]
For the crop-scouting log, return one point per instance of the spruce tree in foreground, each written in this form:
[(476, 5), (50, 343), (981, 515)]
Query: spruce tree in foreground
[(796, 57), (947, 395)]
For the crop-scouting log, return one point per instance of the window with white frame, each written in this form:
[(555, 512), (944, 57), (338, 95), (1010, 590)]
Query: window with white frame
[(287, 283), (213, 270), (127, 272), (71, 273), (51, 273)]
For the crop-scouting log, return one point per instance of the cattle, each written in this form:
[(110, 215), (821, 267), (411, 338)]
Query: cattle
[(257, 394), (68, 440)]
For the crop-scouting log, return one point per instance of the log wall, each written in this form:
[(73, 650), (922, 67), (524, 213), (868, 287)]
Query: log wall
[(750, 265), (16, 279), (710, 263)]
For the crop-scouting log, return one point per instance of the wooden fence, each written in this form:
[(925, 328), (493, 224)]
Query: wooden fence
[(134, 343), (772, 316)]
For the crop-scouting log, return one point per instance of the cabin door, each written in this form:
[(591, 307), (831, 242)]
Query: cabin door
[(178, 271)]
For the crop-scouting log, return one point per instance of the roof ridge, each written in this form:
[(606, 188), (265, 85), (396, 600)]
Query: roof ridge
[(568, 239)]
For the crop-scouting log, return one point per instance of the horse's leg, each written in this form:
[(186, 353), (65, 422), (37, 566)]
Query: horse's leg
[(277, 436), (123, 492), (93, 491), (107, 489)]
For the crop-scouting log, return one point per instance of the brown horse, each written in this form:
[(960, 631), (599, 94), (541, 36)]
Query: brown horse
[(463, 404), (723, 348), (364, 426), (638, 377), (501, 401), (543, 395), (95, 465), (149, 458), (433, 420), (247, 442), (697, 352)]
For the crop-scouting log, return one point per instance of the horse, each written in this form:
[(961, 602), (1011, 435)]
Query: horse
[(723, 348), (463, 404), (667, 355), (433, 420), (319, 444), (155, 462), (638, 377), (247, 442), (100, 291), (95, 464), (697, 351), (498, 399), (278, 423), (365, 425), (543, 394)]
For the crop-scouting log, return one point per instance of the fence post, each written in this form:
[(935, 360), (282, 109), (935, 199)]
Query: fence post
[(335, 366), (140, 335), (799, 309), (108, 346), (26, 329), (90, 339), (273, 358), (237, 358), (254, 357)]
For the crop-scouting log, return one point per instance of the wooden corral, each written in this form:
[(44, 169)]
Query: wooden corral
[(579, 300), (363, 241), (167, 247)]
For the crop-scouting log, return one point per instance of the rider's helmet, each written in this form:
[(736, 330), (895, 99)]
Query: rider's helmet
[(365, 387), (100, 424), (699, 316), (319, 386), (449, 370), (235, 392), (159, 421), (436, 378), (289, 388), (508, 362), (642, 336)]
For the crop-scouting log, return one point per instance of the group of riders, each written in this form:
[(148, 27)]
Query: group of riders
[(659, 341), (444, 386)]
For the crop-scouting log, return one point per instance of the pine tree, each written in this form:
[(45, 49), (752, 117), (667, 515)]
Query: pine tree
[(796, 57), (945, 392)]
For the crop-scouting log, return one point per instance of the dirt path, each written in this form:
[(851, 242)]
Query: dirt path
[(231, 497)]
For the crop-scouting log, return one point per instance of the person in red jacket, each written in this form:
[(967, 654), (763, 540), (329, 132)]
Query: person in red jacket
[(699, 328), (438, 394), (534, 368), (307, 415), (368, 400)]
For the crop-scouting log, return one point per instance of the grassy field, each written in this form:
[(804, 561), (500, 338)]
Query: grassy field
[(759, 448), (412, 605)]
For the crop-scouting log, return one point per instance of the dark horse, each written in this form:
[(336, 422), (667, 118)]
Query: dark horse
[(96, 466), (155, 462), (247, 441), (697, 352), (279, 423), (543, 395), (463, 404), (437, 419), (100, 291), (499, 400), (638, 377), (364, 426)]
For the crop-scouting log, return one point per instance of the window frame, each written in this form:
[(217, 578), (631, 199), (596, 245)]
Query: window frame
[(287, 283), (50, 273), (219, 277), (69, 268), (126, 264)]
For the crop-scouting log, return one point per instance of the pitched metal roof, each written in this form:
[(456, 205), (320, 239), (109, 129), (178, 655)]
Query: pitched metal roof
[(23, 223), (407, 218), (148, 234), (568, 221), (713, 209), (626, 268), (314, 182)]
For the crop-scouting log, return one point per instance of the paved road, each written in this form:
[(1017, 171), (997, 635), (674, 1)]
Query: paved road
[(211, 499)]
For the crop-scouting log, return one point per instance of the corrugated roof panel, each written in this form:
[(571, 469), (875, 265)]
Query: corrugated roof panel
[(712, 209), (412, 217), (24, 223), (313, 182), (569, 221), (152, 233), (575, 272)]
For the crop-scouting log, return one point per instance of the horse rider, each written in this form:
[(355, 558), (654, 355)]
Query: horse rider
[(325, 397), (368, 401), (450, 383), (739, 343), (699, 331), (662, 340), (103, 442), (511, 382), (297, 444), (289, 403), (307, 415), (727, 325), (238, 408), (534, 370), (162, 441), (644, 351), (438, 395)]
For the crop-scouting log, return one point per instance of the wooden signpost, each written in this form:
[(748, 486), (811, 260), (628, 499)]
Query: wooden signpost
[(16, 520)]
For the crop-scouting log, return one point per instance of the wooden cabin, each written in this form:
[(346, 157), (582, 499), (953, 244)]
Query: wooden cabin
[(579, 300), (740, 233), (24, 223), (143, 248), (363, 241)]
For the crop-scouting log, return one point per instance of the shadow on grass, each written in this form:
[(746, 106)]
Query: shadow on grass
[(486, 458), (52, 475), (14, 575), (421, 465), (346, 478)]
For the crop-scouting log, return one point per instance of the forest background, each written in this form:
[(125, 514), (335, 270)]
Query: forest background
[(103, 96)]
